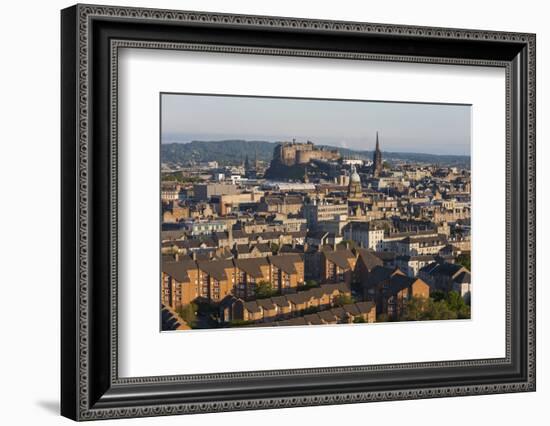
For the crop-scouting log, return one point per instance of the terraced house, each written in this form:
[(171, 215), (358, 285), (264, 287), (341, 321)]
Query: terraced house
[(186, 280), (447, 277), (249, 272), (392, 288), (338, 265), (346, 314), (180, 282), (282, 307)]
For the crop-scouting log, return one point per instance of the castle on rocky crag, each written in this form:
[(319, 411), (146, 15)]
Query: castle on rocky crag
[(297, 153)]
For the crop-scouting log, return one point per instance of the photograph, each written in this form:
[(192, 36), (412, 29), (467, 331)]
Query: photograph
[(278, 211), (354, 201)]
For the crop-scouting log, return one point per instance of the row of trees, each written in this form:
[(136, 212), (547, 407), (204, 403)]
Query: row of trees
[(439, 306), (179, 177)]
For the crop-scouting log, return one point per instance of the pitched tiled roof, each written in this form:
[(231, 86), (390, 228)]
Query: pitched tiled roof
[(202, 256), (223, 254), (340, 257), (263, 248), (179, 270), (339, 312), (221, 236), (251, 266), (238, 234), (331, 287), (385, 256), (167, 258), (378, 274), (365, 307), (285, 263), (298, 298), (351, 309), (216, 268), (369, 258), (252, 306), (313, 319), (420, 257), (463, 278), (444, 268), (266, 303), (398, 283), (288, 249), (327, 316), (228, 301), (280, 301), (242, 248), (172, 234)]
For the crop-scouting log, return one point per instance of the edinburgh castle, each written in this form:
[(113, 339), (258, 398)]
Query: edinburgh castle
[(294, 153)]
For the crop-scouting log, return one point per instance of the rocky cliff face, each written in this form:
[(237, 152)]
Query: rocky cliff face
[(279, 171)]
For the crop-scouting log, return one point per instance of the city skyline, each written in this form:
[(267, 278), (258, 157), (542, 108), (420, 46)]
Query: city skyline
[(307, 233), (403, 127)]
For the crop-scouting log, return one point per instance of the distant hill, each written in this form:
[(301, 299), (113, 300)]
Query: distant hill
[(233, 151), (224, 152)]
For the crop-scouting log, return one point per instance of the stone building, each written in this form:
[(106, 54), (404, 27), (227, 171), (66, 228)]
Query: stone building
[(354, 188), (293, 153), (447, 277), (185, 280), (286, 306), (338, 265)]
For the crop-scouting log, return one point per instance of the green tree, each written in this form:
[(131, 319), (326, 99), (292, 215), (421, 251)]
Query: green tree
[(457, 304), (188, 313), (455, 301), (464, 259), (438, 307), (178, 177), (264, 290), (440, 311), (274, 248), (343, 299), (359, 320), (438, 295), (416, 309), (311, 284)]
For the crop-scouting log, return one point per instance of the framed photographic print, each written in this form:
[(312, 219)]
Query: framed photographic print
[(263, 212)]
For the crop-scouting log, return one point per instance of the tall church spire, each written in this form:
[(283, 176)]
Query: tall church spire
[(377, 159)]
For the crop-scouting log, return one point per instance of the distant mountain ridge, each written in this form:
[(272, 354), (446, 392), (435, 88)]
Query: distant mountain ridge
[(232, 151)]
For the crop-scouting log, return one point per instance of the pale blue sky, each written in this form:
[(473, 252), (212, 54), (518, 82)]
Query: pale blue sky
[(403, 127)]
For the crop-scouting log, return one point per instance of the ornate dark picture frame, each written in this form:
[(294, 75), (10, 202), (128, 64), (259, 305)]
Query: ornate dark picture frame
[(91, 37)]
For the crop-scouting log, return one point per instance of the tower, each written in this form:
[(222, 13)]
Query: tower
[(354, 188), (377, 159)]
